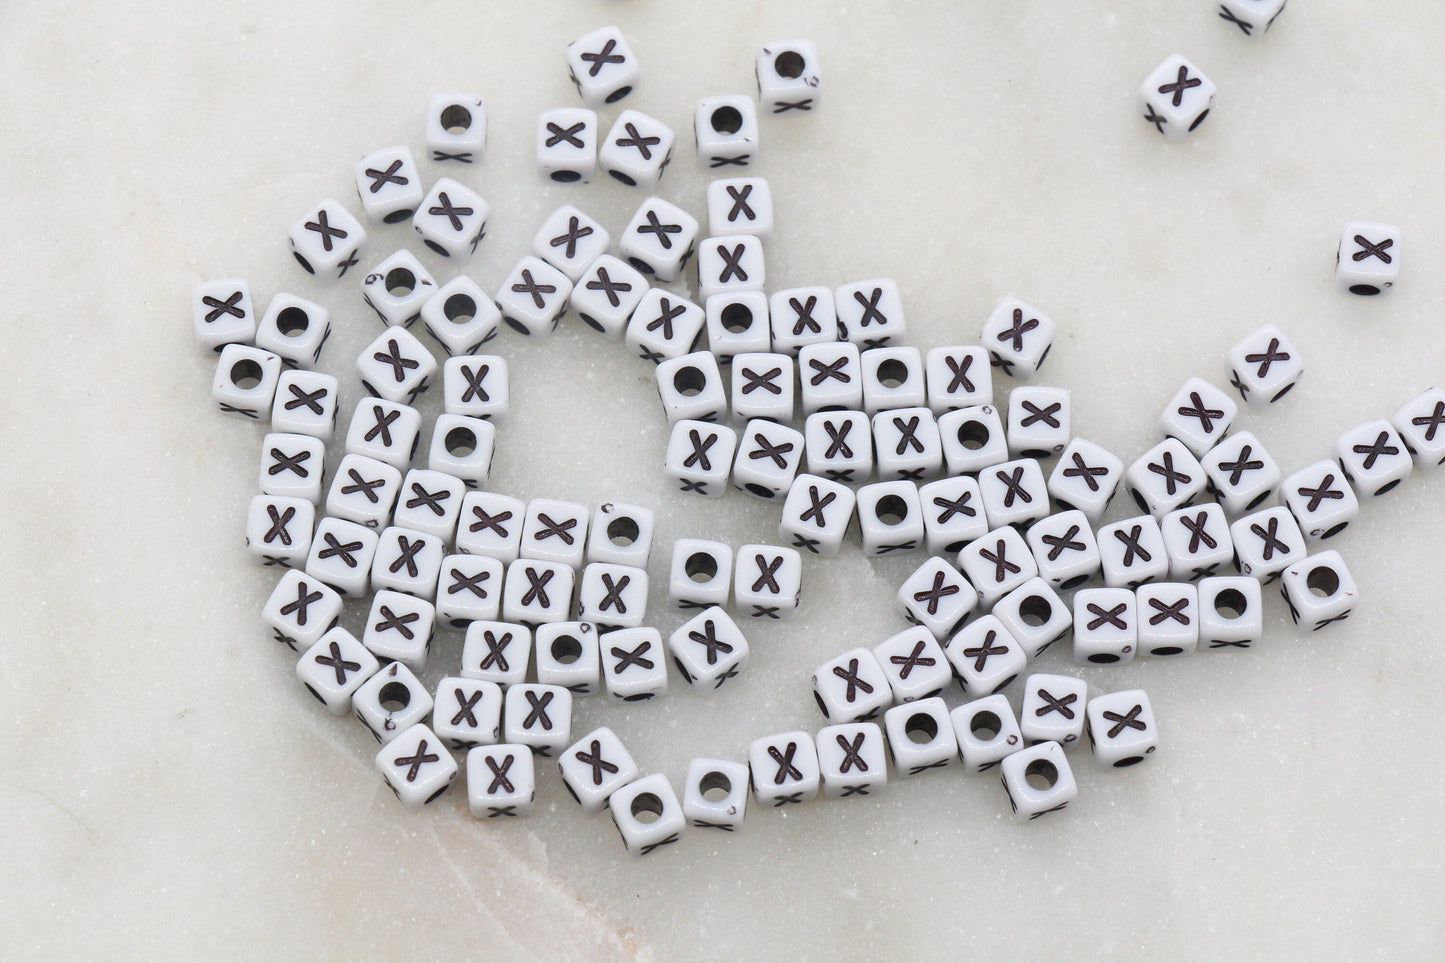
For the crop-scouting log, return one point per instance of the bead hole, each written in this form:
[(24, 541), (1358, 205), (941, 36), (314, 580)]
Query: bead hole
[(985, 726), (789, 64), (646, 808), (726, 120), (456, 119), (737, 318), (921, 728), (293, 321), (892, 373), (1231, 603), (973, 435), (400, 282), (689, 381), (1036, 610), (394, 696), (891, 510), (460, 442), (1041, 774), (566, 650), (715, 786), (622, 531), (1323, 581), (460, 308), (245, 374), (700, 567)]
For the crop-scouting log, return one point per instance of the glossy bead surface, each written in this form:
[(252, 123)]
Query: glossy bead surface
[(535, 592), (416, 767), (497, 652), (396, 366), (659, 239), (997, 563), (1319, 591), (1264, 366), (1038, 781), (634, 665), (743, 205), (851, 686), (664, 325), (937, 597), (1018, 338), (816, 515), (1374, 457), (767, 459), (385, 431), (278, 530), (1039, 421), (789, 82), (1368, 260), (953, 514), (1176, 98), (295, 329), (567, 140), (987, 731), (462, 317), (306, 404), (1231, 616), (920, 736), (1085, 478), (341, 554), (700, 456), (870, 313), (594, 767), (985, 657), (333, 669), (491, 524), (388, 184), (533, 298), (397, 287), (291, 466), (1132, 552), (914, 663), (469, 589), (784, 769), (456, 128), (762, 387), (222, 313), (973, 439), (538, 716), (691, 388), (852, 759), (467, 713), (245, 381), (602, 66), (567, 655), (726, 131), (708, 650), (1053, 709), (701, 574), (1034, 615), (1197, 541), (430, 502), (1014, 492), (1164, 478), (1122, 730), (607, 294), (391, 702), (647, 814), (300, 610), (1241, 473), (400, 628), (958, 377), (326, 241), (715, 794), (1106, 626), (452, 219), (636, 150), (501, 781), (890, 517), (1064, 549), (1266, 543)]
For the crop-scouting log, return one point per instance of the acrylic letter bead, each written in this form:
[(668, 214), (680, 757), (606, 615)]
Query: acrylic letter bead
[(788, 78), (1176, 98), (987, 731), (1374, 457), (908, 445), (602, 66), (958, 377), (613, 596), (278, 530), (567, 144), (762, 387), (1053, 709), (830, 377), (816, 515), (1039, 423), (890, 517), (416, 767), (223, 314), (737, 323), (870, 313), (1368, 260), (1168, 618), (245, 381), (497, 652), (801, 316), (1164, 478), (538, 716), (1241, 473), (295, 329), (659, 239), (388, 184), (1199, 415), (452, 220), (1085, 478), (391, 702), (953, 514), (1038, 781), (985, 657), (1266, 543), (636, 150), (973, 439), (620, 534), (914, 663), (664, 325), (396, 366), (893, 378), (730, 263), (385, 431), (1231, 616), (306, 404), (291, 465), (852, 759), (1018, 338), (691, 388), (1421, 425), (715, 795), (1121, 728), (462, 447), (1264, 366), (768, 458), (397, 288), (920, 736), (469, 589), (456, 128), (555, 531), (334, 668), (647, 814), (501, 781), (430, 502), (570, 241), (400, 628), (491, 525), (1132, 552), (634, 665), (937, 597), (852, 686), (701, 574), (1014, 493), (699, 457), (1320, 500), (535, 592), (708, 650), (326, 241), (606, 295), (1319, 591), (594, 767), (408, 561), (744, 205), (784, 769), (726, 131), (997, 563), (463, 318), (300, 610), (341, 554), (533, 298), (1197, 541), (1106, 626), (1252, 17), (1034, 615), (467, 712), (1064, 549), (838, 446)]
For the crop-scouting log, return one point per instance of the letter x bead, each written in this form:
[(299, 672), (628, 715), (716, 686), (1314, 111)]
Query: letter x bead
[(914, 663), (1421, 426), (594, 767), (816, 515), (937, 597), (1374, 457), (784, 769), (1122, 730), (416, 766), (852, 686)]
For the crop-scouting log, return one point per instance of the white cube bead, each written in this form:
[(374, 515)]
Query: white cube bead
[(1264, 366), (456, 128), (987, 731), (1086, 479), (726, 131), (737, 323), (816, 515), (278, 530), (388, 184), (762, 387), (958, 377), (245, 381), (784, 769), (567, 144), (462, 317), (452, 220), (620, 534), (659, 239), (300, 609), (973, 439), (914, 663), (491, 525), (1241, 473), (416, 767), (768, 582), (1176, 98), (788, 77), (497, 652), (664, 325), (1034, 615), (341, 554), (333, 669), (535, 591), (222, 313), (743, 205), (1018, 338), (567, 655), (997, 563), (1168, 614), (1421, 425), (1064, 549), (1319, 590), (1053, 709), (838, 446), (469, 590), (555, 531), (908, 445), (1132, 552), (533, 298), (294, 328), (570, 240), (1197, 541), (1252, 17), (893, 377), (1039, 421), (391, 702), (1368, 260), (852, 759), (708, 650), (384, 430), (691, 388), (400, 628), (305, 404), (1122, 731), (830, 376), (767, 459), (467, 713), (594, 767), (291, 466), (1231, 616), (1038, 781), (1106, 626), (1014, 492), (501, 781), (538, 716), (462, 447), (1164, 478), (953, 514), (477, 387), (326, 241), (602, 66), (701, 574), (606, 295), (397, 287), (800, 316), (715, 795), (634, 665), (985, 656), (430, 502), (647, 814), (1322, 503), (396, 366), (937, 597), (851, 686), (920, 736), (636, 150), (1199, 415), (890, 517), (1266, 543), (870, 313), (1374, 457), (614, 596), (700, 456)]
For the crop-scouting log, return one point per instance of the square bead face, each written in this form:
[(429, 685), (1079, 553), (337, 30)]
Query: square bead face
[(538, 716), (768, 458), (1053, 709), (620, 534), (890, 517), (908, 445), (852, 686), (341, 554), (295, 329), (1199, 415), (958, 377), (1106, 626), (1034, 615), (501, 781), (555, 531), (306, 404), (737, 323), (1164, 478), (391, 702), (664, 325), (743, 205), (1253, 18), (463, 318), (1264, 366), (452, 220), (830, 377), (594, 767), (634, 666), (396, 366), (952, 514), (1038, 781), (1197, 541), (1421, 425), (469, 590), (223, 313), (985, 656), (699, 457), (1241, 473), (1319, 591), (1038, 421), (1064, 549), (533, 298), (730, 264), (1017, 337), (430, 502), (300, 610), (497, 652), (701, 574), (613, 596), (647, 814), (784, 769), (1168, 614), (987, 731), (245, 381), (535, 592), (602, 66), (491, 524), (1122, 729), (456, 128), (326, 241), (400, 628), (1266, 543), (397, 288), (1231, 616), (816, 515), (1374, 457), (852, 759), (997, 563), (384, 430), (636, 150), (606, 295), (973, 439), (334, 668), (691, 388), (938, 598), (726, 130), (708, 650), (570, 240), (1014, 493), (838, 445), (278, 530), (914, 663), (789, 81), (870, 313), (920, 736), (715, 795), (416, 767), (1176, 98), (762, 387), (1368, 262), (1132, 552), (893, 378), (291, 465), (659, 239), (408, 561), (1085, 478), (567, 145), (800, 317), (462, 447), (388, 184)]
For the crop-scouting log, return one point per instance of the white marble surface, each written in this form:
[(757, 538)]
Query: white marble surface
[(168, 791)]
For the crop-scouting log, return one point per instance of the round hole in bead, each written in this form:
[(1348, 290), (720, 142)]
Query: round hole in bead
[(566, 650), (641, 265), (566, 177), (622, 531), (689, 381), (736, 317), (394, 696), (459, 308), (1387, 488), (973, 435), (1335, 530), (460, 442), (891, 510), (1231, 603), (726, 120), (1036, 610), (623, 178), (618, 94), (985, 725), (1323, 581), (1199, 120), (1103, 658), (1128, 761), (293, 321), (715, 786), (456, 119), (246, 374), (1166, 650), (1139, 499), (1003, 685), (646, 808), (759, 490), (921, 728), (1041, 774), (400, 282), (396, 217), (700, 567), (892, 373), (789, 64), (1367, 290), (1074, 582)]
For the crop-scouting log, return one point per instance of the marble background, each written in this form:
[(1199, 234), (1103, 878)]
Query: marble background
[(167, 790)]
